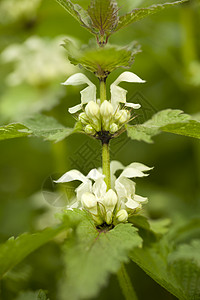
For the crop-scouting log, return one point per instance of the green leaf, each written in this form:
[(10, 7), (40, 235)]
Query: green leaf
[(104, 16), (14, 251), (140, 13), (12, 131), (78, 13), (47, 127), (102, 61), (39, 126), (91, 255), (190, 128), (175, 267), (145, 132), (29, 295), (184, 263)]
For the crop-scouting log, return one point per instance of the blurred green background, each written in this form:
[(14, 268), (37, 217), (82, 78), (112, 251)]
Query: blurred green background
[(32, 66)]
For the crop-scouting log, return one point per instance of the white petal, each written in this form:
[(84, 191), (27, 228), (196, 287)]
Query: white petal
[(72, 175), (118, 94), (95, 174), (77, 79), (74, 109), (85, 187), (131, 204), (125, 187), (115, 165), (140, 199), (130, 172), (128, 77), (139, 166), (99, 188), (89, 93), (132, 105)]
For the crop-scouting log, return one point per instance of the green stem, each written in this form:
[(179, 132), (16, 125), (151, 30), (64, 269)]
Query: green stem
[(126, 285), (106, 164), (102, 90)]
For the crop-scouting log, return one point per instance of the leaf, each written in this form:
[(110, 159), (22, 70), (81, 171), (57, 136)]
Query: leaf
[(145, 132), (102, 61), (29, 295), (184, 263), (14, 251), (12, 131), (104, 16), (78, 13), (39, 126), (175, 267), (47, 127), (190, 128), (140, 13), (91, 255)]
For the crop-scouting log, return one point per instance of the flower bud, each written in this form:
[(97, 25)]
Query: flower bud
[(122, 116), (110, 199), (83, 118), (89, 129), (108, 218), (106, 109), (89, 201), (122, 215), (92, 110), (93, 113), (113, 128)]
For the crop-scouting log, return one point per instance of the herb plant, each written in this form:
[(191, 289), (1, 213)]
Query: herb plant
[(104, 224)]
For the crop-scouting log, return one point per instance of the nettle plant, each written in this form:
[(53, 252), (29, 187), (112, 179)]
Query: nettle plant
[(103, 222)]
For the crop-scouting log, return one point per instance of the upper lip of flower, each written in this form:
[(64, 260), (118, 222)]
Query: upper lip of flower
[(118, 94)]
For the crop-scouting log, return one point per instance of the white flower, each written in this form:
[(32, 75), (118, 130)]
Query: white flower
[(115, 204), (118, 94)]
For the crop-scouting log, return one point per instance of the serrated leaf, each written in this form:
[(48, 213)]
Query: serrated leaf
[(162, 261), (29, 295), (14, 251), (92, 255), (102, 61), (47, 127), (184, 263), (12, 131), (78, 13), (145, 132), (190, 128), (104, 16), (39, 126), (141, 13)]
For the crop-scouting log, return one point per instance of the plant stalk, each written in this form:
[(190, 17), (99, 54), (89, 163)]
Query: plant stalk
[(102, 90), (126, 285), (106, 164)]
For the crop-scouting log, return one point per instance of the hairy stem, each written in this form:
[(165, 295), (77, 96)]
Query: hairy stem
[(126, 285), (106, 164), (102, 90)]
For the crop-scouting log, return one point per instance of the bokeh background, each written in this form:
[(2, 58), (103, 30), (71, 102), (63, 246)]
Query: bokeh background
[(32, 66)]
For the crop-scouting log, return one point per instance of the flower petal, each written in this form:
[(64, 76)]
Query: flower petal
[(131, 172), (132, 105), (139, 166), (83, 188), (118, 94), (74, 109), (95, 174), (124, 187), (87, 94), (140, 199), (99, 188), (72, 175), (131, 204), (115, 165)]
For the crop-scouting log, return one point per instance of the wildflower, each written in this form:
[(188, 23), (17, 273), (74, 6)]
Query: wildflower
[(108, 206)]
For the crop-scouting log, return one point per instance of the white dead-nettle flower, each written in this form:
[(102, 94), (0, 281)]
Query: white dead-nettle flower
[(102, 115), (108, 206), (37, 61)]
